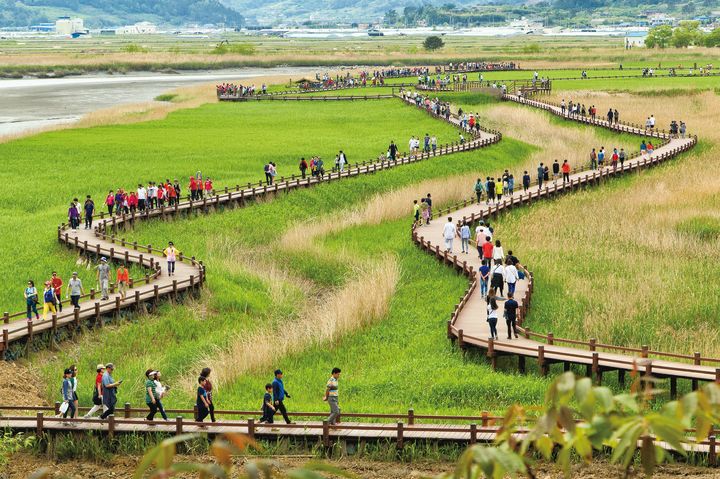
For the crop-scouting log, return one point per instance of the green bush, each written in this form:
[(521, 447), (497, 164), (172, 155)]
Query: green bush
[(433, 43), (236, 48), (134, 48), (166, 97)]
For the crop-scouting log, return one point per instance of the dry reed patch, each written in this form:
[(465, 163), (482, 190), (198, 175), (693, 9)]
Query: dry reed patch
[(534, 127), (360, 302), (382, 207)]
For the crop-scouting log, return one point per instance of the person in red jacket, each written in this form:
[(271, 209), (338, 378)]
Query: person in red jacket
[(208, 186), (487, 249), (110, 202), (172, 194), (565, 171), (193, 188), (161, 195), (133, 202)]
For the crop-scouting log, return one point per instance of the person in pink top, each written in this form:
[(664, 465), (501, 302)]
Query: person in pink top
[(171, 254)]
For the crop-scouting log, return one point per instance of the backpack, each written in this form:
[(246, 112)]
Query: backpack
[(49, 296)]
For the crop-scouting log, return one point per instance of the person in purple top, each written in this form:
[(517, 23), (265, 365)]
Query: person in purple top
[(73, 215)]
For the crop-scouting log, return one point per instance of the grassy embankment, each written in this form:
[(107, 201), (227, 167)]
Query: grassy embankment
[(215, 139)]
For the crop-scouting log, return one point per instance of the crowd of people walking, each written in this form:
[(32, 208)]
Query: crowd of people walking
[(106, 387)]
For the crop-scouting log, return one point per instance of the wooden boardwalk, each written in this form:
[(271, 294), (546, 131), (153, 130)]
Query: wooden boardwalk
[(468, 324), (107, 239)]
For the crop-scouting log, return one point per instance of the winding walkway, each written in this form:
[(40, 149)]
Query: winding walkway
[(468, 324)]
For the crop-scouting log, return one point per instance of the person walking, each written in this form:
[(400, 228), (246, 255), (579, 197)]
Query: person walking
[(151, 396), (511, 275), (449, 233), (303, 167), (110, 202), (465, 238), (68, 406), (48, 300), (621, 157), (540, 175), (393, 150), (490, 188), (492, 312), (171, 254), (97, 395), (416, 213), (74, 382), (342, 161), (593, 159), (565, 171), (123, 280), (526, 181), (31, 300), (484, 277), (103, 278), (479, 189), (555, 171), (487, 250), (331, 396), (498, 277), (425, 211), (643, 147), (205, 373), (57, 283), (73, 216), (75, 290), (498, 253), (109, 391), (511, 308), (268, 410), (428, 200), (279, 395), (202, 401), (89, 208), (499, 188)]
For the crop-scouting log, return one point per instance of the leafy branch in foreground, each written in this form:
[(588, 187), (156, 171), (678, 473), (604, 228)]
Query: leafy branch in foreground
[(581, 418)]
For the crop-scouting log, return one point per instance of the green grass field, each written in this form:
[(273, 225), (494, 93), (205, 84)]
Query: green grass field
[(228, 142)]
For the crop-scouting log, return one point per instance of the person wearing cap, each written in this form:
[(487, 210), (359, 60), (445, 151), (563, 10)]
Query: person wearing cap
[(152, 398), (279, 395), (109, 391), (103, 278), (171, 253), (67, 394), (75, 290), (48, 300), (97, 396)]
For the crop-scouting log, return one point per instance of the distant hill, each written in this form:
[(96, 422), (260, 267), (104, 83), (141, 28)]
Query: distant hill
[(101, 13)]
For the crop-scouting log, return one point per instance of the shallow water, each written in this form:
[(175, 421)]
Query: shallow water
[(31, 104)]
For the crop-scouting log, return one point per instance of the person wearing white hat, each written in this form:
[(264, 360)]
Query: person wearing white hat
[(103, 278)]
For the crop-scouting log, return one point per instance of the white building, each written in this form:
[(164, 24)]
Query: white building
[(141, 28), (68, 26), (635, 39)]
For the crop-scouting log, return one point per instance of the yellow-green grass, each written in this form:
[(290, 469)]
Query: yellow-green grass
[(229, 142)]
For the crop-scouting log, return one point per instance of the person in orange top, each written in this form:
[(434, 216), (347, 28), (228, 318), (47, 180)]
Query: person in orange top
[(208, 186), (57, 283), (565, 171), (193, 188), (123, 278), (172, 194)]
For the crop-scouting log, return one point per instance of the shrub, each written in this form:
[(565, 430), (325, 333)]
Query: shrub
[(433, 43), (134, 48), (237, 48)]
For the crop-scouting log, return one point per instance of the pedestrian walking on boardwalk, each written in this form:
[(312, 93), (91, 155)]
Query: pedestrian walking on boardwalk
[(48, 300), (526, 180), (73, 216), (465, 238), (303, 167), (89, 208), (75, 290), (152, 397), (565, 171), (490, 187), (498, 253), (540, 175), (74, 382), (484, 277), (97, 396), (110, 202), (123, 280), (479, 189), (449, 233), (511, 308), (109, 391), (331, 396), (205, 373), (279, 395), (57, 283), (268, 410), (161, 391), (31, 300), (103, 278), (498, 277), (511, 275), (67, 407), (171, 254), (492, 312), (202, 401)]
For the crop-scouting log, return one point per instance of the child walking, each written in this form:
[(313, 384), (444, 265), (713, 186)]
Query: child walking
[(268, 409)]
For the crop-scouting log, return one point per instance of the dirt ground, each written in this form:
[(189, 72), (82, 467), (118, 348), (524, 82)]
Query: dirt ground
[(23, 465), (19, 386)]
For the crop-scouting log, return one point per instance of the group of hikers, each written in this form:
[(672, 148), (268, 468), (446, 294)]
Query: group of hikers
[(105, 392), (143, 198), (231, 89), (577, 109), (74, 290)]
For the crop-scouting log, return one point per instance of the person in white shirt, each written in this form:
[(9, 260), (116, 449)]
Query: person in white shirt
[(498, 253), (449, 233), (142, 197), (511, 276), (465, 238), (497, 277), (152, 196)]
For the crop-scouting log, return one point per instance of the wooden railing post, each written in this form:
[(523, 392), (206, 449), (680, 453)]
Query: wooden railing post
[(127, 410), (39, 425), (251, 428), (326, 433), (400, 438), (178, 425), (111, 426), (411, 417)]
